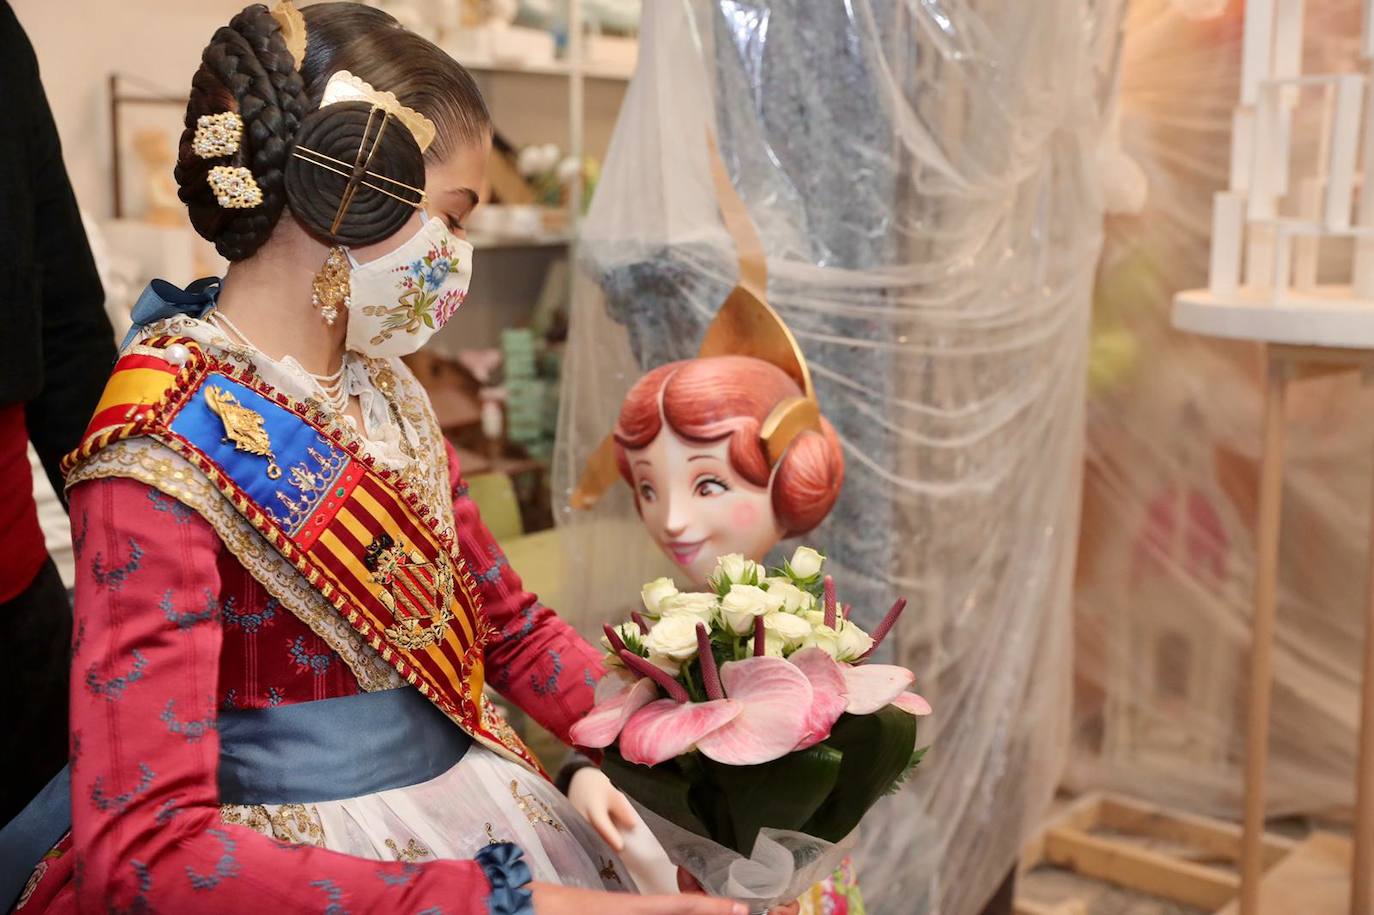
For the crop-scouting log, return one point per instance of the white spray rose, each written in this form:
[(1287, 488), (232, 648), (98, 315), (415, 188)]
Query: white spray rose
[(655, 593), (790, 628), (824, 638), (794, 599), (806, 563), (673, 636), (734, 569), (742, 604), (627, 632), (700, 606), (774, 646), (853, 642)]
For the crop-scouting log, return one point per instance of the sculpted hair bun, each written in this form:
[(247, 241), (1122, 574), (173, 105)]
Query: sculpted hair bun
[(246, 68), (333, 138)]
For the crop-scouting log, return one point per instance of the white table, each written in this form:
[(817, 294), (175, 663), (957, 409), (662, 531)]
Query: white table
[(1322, 333)]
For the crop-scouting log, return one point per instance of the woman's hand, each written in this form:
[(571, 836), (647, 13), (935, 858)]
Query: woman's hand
[(594, 797), (688, 884), (552, 899)]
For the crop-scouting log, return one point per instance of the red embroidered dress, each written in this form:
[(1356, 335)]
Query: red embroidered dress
[(180, 614)]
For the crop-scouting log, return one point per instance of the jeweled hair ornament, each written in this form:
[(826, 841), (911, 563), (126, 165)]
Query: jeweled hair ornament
[(217, 135), (746, 325), (234, 187)]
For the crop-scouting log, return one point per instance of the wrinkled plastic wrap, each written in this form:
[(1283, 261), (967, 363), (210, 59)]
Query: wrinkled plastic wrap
[(1166, 567), (924, 179), (782, 865)]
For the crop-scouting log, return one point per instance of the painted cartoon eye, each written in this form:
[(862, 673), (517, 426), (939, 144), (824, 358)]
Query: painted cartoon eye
[(646, 492), (710, 486)]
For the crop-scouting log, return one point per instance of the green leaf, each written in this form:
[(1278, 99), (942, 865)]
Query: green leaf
[(876, 750), (661, 788), (783, 794)]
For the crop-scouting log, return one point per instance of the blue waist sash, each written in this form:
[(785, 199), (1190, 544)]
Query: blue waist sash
[(293, 754)]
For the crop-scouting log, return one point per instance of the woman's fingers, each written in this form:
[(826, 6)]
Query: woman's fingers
[(687, 883), (601, 822), (623, 812), (686, 905)]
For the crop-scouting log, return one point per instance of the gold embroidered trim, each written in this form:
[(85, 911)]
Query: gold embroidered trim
[(413, 851), (534, 808), (285, 822)]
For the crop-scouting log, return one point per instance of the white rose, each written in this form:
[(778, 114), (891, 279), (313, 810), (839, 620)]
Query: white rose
[(774, 646), (568, 169), (792, 629), (529, 160), (673, 636), (612, 660), (734, 569), (794, 599), (853, 642), (744, 602), (824, 638), (806, 563), (626, 631), (701, 606), (655, 593)]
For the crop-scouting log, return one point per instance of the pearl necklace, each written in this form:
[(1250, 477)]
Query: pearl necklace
[(331, 386)]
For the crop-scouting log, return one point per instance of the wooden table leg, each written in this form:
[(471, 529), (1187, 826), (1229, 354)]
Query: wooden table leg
[(1362, 884), (1262, 632)]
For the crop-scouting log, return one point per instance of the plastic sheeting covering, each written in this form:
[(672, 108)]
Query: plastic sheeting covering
[(1166, 566), (923, 175)]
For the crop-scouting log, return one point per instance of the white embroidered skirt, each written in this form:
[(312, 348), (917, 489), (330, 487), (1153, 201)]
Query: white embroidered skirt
[(482, 799)]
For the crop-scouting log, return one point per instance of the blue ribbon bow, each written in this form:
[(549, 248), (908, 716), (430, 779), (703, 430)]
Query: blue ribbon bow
[(164, 300)]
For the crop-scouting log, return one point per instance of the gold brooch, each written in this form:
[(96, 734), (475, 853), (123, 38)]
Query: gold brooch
[(234, 187), (217, 135), (243, 427)]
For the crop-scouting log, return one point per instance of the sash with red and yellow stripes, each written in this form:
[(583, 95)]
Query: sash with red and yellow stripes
[(353, 529)]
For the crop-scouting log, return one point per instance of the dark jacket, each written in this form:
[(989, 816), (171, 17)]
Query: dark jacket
[(56, 343)]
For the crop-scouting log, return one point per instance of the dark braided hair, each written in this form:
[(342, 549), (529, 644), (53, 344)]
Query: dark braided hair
[(247, 68)]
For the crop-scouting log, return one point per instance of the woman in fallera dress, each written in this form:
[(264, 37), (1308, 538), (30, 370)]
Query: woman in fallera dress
[(286, 604)]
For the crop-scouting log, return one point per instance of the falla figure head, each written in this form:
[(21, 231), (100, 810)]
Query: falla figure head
[(689, 444)]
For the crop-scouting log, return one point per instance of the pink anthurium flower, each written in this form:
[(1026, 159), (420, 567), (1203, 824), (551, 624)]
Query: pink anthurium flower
[(873, 686), (829, 694), (603, 724), (910, 702), (775, 701), (666, 728)]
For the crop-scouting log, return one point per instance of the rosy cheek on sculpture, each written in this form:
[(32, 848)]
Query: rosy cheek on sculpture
[(744, 515)]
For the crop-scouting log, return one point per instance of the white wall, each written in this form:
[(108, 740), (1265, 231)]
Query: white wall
[(80, 42)]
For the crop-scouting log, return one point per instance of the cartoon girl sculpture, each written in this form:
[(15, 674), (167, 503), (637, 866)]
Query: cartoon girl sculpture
[(726, 453)]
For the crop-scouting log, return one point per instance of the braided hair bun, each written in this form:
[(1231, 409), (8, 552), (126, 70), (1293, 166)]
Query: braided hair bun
[(350, 138), (247, 69)]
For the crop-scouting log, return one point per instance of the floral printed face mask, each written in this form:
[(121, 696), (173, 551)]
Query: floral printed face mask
[(399, 300)]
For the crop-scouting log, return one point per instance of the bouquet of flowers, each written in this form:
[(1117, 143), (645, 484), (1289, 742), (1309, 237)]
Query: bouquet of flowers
[(748, 726)]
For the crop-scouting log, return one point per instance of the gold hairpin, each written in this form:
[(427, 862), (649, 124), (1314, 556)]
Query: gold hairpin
[(234, 187), (319, 159), (345, 87), (217, 135)]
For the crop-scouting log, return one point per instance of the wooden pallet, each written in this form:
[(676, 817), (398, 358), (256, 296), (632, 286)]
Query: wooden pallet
[(1194, 880)]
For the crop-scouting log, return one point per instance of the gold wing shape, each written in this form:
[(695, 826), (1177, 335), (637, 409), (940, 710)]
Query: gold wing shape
[(242, 426)]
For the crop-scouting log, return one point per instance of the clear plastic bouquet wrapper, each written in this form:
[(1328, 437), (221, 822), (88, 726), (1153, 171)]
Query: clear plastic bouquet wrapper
[(749, 727)]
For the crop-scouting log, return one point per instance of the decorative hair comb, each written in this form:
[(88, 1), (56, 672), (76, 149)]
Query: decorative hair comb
[(292, 25), (345, 87), (745, 325)]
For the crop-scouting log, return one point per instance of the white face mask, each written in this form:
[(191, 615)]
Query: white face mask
[(399, 300)]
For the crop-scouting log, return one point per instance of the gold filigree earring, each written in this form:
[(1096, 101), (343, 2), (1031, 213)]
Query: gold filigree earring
[(329, 292)]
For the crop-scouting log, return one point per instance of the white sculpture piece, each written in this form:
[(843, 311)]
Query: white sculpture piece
[(1268, 226)]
